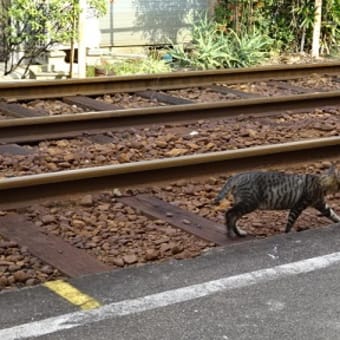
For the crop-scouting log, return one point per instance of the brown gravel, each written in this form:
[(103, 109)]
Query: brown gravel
[(269, 90), (114, 233), (54, 107), (135, 144), (121, 236), (18, 268), (196, 197), (128, 100), (201, 95), (316, 81), (263, 89), (196, 95)]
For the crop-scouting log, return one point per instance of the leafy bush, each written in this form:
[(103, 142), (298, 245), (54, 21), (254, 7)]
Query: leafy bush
[(288, 22), (30, 28), (249, 48), (213, 46), (330, 29)]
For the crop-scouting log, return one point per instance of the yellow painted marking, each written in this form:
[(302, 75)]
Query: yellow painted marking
[(72, 294)]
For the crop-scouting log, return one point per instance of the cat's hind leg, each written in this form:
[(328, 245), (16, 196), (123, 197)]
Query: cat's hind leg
[(294, 213), (233, 214)]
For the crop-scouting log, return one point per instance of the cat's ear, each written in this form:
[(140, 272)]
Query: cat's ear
[(334, 172), (337, 174)]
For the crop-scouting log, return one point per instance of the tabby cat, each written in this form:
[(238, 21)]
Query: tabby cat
[(278, 191)]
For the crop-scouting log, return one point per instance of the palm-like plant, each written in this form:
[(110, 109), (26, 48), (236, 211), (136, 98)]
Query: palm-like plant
[(213, 47)]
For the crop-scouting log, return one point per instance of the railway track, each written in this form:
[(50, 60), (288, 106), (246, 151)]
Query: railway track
[(85, 87), (31, 216), (35, 124), (99, 218), (41, 186), (42, 128)]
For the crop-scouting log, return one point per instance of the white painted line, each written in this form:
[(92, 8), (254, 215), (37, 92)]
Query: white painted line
[(167, 298)]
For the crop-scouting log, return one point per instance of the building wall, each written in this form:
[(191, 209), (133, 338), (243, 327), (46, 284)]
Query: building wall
[(149, 22)]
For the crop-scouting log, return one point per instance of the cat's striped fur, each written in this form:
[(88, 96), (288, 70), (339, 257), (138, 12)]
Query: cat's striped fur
[(278, 191)]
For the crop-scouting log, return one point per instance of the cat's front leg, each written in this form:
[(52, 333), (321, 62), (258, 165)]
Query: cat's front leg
[(328, 212)]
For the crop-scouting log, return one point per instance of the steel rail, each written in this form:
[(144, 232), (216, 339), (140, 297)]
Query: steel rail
[(95, 86), (40, 128), (22, 190)]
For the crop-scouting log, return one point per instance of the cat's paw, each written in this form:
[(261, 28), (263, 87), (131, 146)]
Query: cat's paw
[(240, 232)]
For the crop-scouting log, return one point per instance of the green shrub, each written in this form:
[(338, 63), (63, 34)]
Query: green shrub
[(288, 22), (248, 49), (213, 47), (330, 30)]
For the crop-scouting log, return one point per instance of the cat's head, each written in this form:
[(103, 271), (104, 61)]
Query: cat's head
[(330, 181)]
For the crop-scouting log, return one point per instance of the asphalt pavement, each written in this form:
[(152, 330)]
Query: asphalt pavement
[(283, 287)]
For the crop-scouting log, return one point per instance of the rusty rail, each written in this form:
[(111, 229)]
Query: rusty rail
[(22, 190), (39, 128), (93, 86)]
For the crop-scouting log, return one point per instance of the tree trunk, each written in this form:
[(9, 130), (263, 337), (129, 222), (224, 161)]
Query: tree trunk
[(81, 40), (317, 29), (303, 40)]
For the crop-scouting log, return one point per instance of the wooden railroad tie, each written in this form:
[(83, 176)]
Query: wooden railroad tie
[(19, 111), (15, 149), (49, 248), (90, 103), (76, 262), (180, 218), (164, 98)]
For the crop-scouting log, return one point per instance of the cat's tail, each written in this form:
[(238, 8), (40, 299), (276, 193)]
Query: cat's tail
[(229, 184)]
